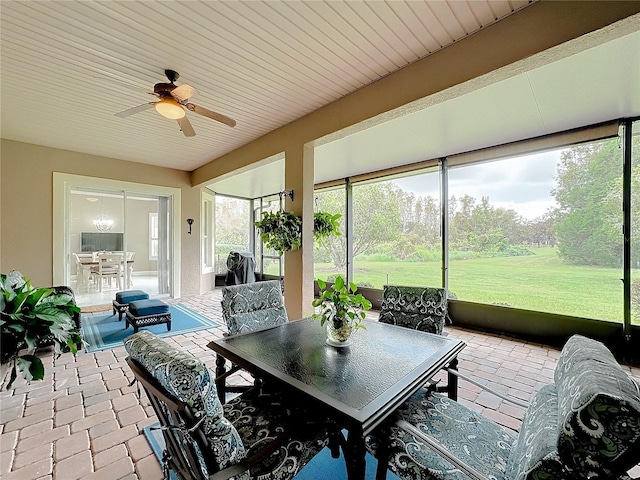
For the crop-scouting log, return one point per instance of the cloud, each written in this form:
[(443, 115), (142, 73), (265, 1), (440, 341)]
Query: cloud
[(522, 184)]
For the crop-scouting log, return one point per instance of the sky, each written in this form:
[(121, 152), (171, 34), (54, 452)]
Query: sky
[(523, 185)]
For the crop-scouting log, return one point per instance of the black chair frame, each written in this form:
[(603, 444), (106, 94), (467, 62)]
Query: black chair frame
[(182, 432)]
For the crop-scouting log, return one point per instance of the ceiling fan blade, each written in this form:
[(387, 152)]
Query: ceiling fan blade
[(218, 117), (134, 110), (183, 92), (185, 126)]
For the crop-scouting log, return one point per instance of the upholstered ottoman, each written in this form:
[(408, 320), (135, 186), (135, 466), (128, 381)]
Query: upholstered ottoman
[(124, 298), (144, 313)]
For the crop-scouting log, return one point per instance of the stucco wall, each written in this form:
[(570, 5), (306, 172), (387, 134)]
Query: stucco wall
[(26, 199)]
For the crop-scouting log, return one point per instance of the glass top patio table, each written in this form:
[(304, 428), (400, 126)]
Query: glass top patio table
[(357, 386)]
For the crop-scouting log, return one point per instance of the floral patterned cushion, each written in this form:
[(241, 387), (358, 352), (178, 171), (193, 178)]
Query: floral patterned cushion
[(599, 410), (238, 429), (472, 438), (251, 306), (414, 307), (534, 455), (585, 425), (188, 379), (259, 427)]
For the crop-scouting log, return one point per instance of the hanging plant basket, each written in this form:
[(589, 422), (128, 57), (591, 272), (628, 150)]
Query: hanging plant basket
[(325, 225), (281, 231)]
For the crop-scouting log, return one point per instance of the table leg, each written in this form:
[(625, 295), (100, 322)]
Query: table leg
[(83, 280), (382, 452), (220, 371), (336, 440), (453, 380), (354, 453)]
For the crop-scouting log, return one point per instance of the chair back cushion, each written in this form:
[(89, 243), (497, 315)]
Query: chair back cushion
[(252, 306), (534, 454), (420, 308), (598, 410), (188, 379)]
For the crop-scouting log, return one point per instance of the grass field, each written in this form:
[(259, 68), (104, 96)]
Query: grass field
[(537, 282)]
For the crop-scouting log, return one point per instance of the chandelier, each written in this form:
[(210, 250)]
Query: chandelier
[(103, 223)]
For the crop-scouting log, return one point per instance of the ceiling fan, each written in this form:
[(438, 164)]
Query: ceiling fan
[(172, 103)]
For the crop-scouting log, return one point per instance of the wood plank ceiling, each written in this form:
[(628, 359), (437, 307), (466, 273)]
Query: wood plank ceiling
[(69, 66)]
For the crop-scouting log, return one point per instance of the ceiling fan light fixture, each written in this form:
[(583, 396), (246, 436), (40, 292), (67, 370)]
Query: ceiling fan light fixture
[(169, 108)]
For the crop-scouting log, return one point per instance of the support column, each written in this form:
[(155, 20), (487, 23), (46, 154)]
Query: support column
[(298, 265)]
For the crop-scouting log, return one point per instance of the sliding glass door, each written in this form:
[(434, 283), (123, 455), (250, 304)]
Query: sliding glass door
[(136, 226)]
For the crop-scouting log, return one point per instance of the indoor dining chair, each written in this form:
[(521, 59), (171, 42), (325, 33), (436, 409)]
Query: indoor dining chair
[(109, 267), (131, 256), (83, 270)]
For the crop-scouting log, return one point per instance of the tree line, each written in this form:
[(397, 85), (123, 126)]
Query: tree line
[(585, 225)]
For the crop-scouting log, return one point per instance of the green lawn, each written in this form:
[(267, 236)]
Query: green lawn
[(537, 282)]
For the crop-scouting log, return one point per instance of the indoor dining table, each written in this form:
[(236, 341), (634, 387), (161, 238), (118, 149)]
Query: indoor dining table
[(85, 264), (357, 387)]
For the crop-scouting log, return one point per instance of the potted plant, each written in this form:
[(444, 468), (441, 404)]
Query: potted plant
[(280, 230), (341, 309), (29, 317), (325, 225)]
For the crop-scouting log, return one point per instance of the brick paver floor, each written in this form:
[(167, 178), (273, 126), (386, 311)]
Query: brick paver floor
[(85, 421)]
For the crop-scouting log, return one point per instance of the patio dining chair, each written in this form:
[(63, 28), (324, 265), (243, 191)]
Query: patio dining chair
[(251, 306), (243, 439), (420, 308), (584, 425), (245, 308)]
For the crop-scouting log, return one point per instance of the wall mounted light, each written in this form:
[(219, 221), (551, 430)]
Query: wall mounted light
[(190, 222)]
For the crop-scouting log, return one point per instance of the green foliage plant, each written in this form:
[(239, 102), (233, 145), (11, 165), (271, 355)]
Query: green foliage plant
[(339, 303), (281, 231), (325, 225), (28, 316)]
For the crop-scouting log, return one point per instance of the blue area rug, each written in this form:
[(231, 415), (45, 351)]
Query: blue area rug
[(104, 331), (322, 467)]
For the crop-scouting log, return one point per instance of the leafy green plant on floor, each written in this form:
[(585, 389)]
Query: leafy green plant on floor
[(29, 318)]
